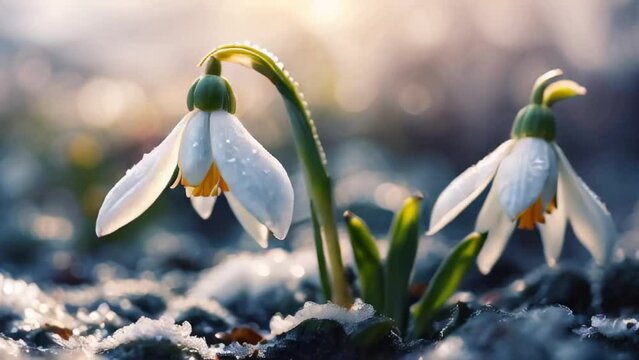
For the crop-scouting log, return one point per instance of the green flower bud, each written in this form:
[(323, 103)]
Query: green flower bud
[(210, 93), (534, 121)]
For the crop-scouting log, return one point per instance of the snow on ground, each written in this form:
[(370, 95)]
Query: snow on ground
[(253, 274), (144, 329), (36, 308), (357, 313)]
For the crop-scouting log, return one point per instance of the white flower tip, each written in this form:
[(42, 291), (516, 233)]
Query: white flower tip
[(437, 226), (279, 234), (204, 216), (602, 258), (483, 267), (100, 228), (262, 241), (203, 205), (98, 231), (281, 227)]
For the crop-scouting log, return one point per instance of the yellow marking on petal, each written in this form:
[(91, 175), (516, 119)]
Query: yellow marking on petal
[(535, 214), (552, 205), (212, 184)]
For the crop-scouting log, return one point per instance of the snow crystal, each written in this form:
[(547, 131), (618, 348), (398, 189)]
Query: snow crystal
[(453, 347), (100, 316), (148, 329), (11, 348), (179, 305), (614, 327), (35, 306), (359, 312)]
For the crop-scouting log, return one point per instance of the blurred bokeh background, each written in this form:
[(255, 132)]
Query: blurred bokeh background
[(406, 95)]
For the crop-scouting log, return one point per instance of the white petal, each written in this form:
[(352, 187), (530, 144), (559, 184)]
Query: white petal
[(256, 178), (465, 188), (203, 205), (196, 155), (550, 187), (588, 216), (496, 241), (553, 231), (523, 173), (141, 185), (256, 229), (490, 212)]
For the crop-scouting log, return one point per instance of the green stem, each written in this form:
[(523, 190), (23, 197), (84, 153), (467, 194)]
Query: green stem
[(308, 148), (542, 83), (319, 252)]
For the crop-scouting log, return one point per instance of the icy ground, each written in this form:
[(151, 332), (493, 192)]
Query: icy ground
[(268, 305)]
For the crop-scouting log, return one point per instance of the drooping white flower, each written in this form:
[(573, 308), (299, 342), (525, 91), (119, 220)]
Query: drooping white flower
[(215, 155), (532, 184)]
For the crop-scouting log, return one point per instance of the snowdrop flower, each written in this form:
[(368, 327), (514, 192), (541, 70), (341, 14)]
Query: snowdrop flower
[(215, 155), (533, 184)]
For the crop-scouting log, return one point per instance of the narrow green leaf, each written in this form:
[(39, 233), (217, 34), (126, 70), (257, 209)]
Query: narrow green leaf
[(445, 281), (321, 260), (404, 236), (367, 259)]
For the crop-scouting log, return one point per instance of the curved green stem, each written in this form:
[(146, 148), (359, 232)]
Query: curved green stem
[(308, 148), (542, 83)]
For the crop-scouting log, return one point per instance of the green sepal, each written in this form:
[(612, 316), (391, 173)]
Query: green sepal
[(445, 281), (190, 96), (404, 236), (210, 93), (534, 121), (368, 261)]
